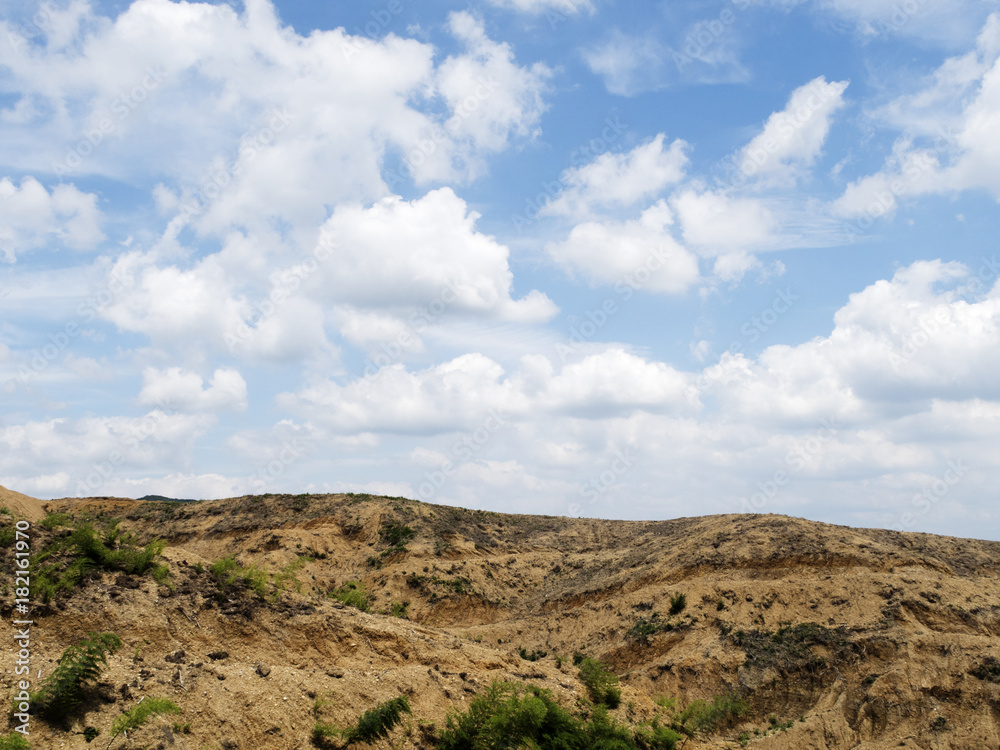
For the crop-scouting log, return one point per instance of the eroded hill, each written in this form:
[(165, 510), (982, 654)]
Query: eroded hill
[(835, 637)]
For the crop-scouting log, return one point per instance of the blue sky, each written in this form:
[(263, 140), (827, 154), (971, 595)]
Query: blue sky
[(575, 257)]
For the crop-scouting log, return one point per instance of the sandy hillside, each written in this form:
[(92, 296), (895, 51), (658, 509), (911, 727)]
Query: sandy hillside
[(22, 505), (835, 637)]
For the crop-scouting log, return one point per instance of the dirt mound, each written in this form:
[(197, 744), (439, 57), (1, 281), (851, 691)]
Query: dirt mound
[(22, 505), (835, 637)]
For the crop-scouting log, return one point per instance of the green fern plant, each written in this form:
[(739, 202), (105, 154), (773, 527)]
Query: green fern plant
[(78, 666), (374, 724), (139, 714)]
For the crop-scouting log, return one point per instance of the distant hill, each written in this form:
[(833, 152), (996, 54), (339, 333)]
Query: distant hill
[(834, 637), (163, 499)]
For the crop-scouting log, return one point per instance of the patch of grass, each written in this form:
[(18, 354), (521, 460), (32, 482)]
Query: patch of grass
[(52, 520), (228, 572), (288, 577), (140, 713), (352, 594), (14, 741), (400, 609)]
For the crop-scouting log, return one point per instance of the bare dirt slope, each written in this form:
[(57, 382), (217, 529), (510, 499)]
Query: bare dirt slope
[(22, 505), (836, 637)]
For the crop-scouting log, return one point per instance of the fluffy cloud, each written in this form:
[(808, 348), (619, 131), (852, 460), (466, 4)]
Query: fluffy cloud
[(718, 224), (181, 390), (442, 260), (959, 108), (620, 179), (639, 253), (792, 138), (32, 217), (628, 65)]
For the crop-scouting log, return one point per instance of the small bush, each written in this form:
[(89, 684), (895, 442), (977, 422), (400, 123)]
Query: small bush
[(533, 655), (677, 603), (400, 609), (372, 725), (228, 572), (601, 684), (396, 534), (988, 670), (56, 519)]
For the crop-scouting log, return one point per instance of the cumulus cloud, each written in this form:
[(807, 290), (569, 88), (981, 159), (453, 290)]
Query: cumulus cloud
[(640, 253), (32, 217), (178, 389), (947, 145), (403, 255), (717, 224), (792, 138), (620, 179)]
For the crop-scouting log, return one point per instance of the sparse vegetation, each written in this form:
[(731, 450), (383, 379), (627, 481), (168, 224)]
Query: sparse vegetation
[(229, 574), (14, 741), (677, 603), (80, 665), (533, 655), (601, 684), (373, 724), (515, 715), (352, 594), (987, 670), (790, 648), (140, 713)]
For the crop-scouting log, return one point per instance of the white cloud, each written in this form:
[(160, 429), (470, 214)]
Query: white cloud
[(792, 138), (443, 260), (959, 107), (628, 65), (182, 390), (717, 224), (640, 253), (620, 179), (489, 96), (32, 217)]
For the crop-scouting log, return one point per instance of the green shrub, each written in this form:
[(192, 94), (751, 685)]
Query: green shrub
[(372, 725), (533, 655), (677, 603), (400, 609), (515, 715), (140, 713), (352, 594), (56, 519), (396, 534), (7, 536), (78, 666), (228, 572), (601, 684)]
